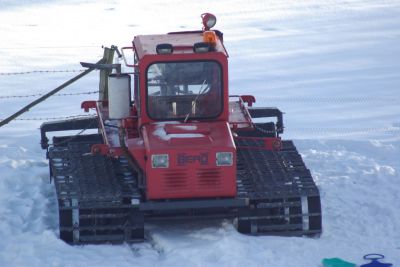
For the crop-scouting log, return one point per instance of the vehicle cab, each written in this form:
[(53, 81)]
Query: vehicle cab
[(181, 99)]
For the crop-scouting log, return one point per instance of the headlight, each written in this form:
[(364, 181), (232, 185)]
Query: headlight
[(160, 161), (201, 47), (224, 158), (164, 49)]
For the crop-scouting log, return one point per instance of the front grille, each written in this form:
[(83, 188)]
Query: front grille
[(175, 181), (208, 178)]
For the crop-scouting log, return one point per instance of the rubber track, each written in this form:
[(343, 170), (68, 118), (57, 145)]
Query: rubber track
[(283, 196), (95, 195)]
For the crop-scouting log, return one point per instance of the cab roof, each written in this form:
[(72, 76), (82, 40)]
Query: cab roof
[(182, 42)]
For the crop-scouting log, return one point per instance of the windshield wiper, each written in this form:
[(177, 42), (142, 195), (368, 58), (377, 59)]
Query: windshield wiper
[(201, 91)]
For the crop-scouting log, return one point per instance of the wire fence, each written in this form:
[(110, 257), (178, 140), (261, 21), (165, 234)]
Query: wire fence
[(55, 118), (41, 94), (40, 72), (395, 129), (333, 100), (50, 47), (348, 131), (292, 99), (337, 100)]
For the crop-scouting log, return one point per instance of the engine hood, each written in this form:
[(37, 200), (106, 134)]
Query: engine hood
[(191, 150)]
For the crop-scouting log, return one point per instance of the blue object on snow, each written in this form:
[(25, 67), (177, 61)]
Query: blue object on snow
[(374, 258)]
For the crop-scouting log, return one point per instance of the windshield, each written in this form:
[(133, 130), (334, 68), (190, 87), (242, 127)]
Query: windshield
[(180, 90)]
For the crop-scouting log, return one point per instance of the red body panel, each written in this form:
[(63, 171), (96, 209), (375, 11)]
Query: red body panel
[(192, 171)]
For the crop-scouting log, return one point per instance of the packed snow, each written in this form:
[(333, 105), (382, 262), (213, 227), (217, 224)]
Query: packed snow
[(187, 127), (331, 65), (161, 133)]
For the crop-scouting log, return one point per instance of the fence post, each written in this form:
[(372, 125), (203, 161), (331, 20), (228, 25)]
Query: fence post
[(108, 58)]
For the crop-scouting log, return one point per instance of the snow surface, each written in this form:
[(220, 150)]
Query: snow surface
[(331, 65), (163, 135), (187, 127)]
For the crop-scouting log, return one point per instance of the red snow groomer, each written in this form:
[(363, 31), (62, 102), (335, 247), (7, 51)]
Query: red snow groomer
[(177, 147)]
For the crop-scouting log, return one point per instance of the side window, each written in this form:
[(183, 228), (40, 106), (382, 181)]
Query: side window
[(136, 85)]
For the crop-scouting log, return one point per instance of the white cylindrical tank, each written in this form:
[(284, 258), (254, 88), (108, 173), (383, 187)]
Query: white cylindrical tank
[(119, 95)]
